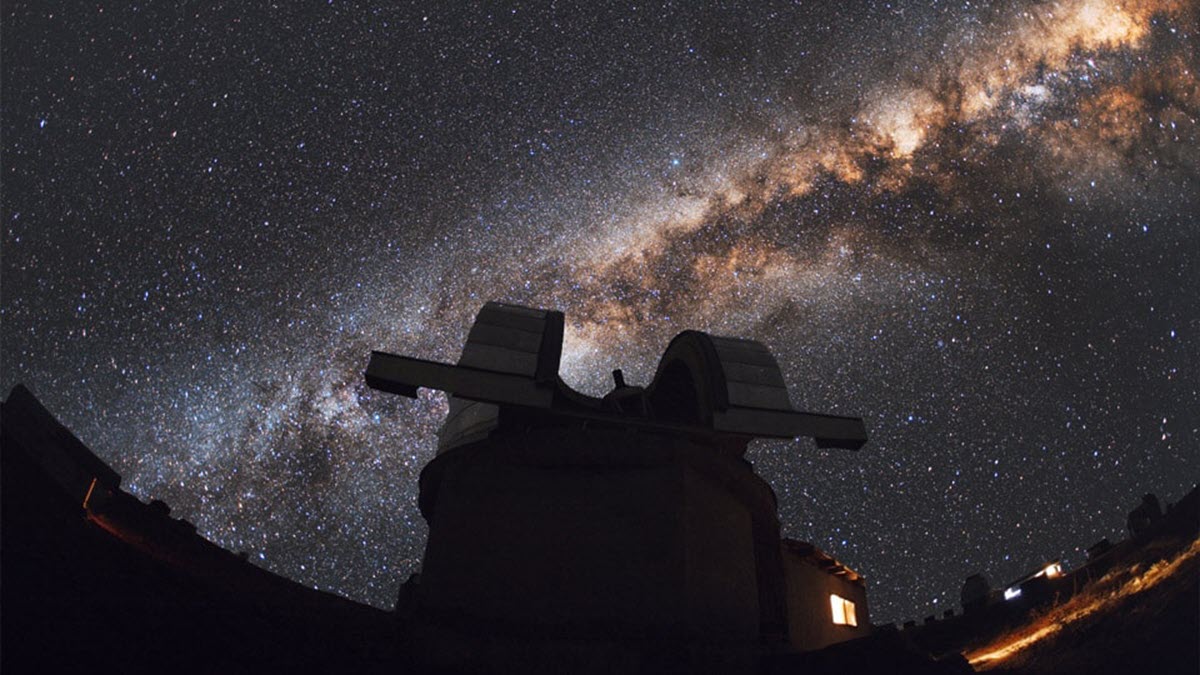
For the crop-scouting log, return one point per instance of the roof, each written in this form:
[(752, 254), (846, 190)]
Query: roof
[(1055, 565), (62, 456), (811, 554), (705, 385), (88, 566)]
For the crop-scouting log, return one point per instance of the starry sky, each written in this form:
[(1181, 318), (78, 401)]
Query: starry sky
[(972, 223)]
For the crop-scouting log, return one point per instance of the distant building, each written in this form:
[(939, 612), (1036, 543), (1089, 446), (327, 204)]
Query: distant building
[(1144, 516), (1098, 549), (1035, 586), (826, 601), (976, 592)]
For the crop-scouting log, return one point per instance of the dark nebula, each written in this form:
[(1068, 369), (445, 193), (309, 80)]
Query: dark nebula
[(974, 224)]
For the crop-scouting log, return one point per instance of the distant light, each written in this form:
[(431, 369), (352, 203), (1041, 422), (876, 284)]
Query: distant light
[(88, 497), (1010, 593), (1052, 570)]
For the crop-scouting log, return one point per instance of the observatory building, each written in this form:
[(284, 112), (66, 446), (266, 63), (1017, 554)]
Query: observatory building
[(566, 529)]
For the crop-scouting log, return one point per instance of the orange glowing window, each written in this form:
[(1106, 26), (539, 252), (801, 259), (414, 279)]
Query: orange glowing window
[(844, 613)]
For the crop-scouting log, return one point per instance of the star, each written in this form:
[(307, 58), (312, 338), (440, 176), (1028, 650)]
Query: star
[(975, 227)]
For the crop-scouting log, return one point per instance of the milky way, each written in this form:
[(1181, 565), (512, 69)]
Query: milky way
[(972, 224)]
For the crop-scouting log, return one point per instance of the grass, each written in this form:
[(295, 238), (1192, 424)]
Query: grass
[(1137, 614)]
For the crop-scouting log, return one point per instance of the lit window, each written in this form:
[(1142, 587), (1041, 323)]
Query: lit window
[(1052, 570), (1010, 593), (844, 613)]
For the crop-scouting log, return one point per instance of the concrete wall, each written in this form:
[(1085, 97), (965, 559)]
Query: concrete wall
[(720, 576), (563, 533), (810, 618)]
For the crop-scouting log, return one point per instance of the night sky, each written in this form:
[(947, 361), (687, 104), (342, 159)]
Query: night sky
[(974, 224)]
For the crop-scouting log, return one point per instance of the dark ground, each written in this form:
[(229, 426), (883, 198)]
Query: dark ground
[(1156, 631)]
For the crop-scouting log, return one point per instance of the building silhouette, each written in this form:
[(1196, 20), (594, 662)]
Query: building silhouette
[(615, 529)]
